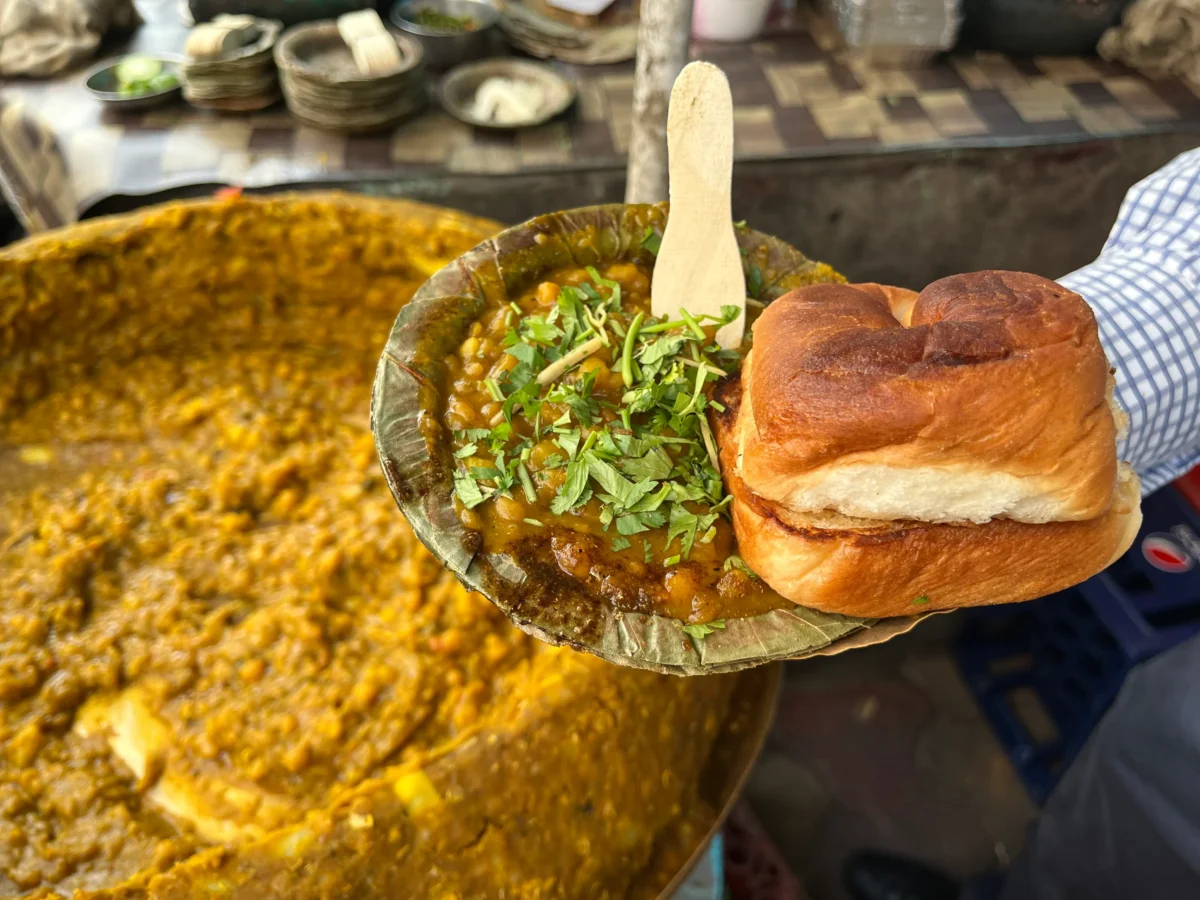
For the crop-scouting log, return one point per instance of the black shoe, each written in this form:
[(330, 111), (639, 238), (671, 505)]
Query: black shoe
[(878, 876)]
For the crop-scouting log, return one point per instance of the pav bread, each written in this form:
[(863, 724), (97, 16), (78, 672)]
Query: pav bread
[(890, 452)]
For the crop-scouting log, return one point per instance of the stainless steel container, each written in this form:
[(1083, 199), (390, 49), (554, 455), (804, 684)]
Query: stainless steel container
[(445, 49)]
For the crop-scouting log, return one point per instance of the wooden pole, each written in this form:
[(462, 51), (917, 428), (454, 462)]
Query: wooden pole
[(663, 37)]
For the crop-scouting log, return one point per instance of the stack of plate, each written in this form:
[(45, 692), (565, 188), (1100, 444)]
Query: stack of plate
[(241, 81), (324, 87)]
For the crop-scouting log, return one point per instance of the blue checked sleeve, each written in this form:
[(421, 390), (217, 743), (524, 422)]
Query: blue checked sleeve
[(1145, 290)]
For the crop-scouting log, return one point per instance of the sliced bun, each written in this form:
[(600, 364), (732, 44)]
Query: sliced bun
[(861, 568), (985, 396), (890, 453)]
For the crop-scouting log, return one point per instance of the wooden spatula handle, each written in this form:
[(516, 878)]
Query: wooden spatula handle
[(699, 266)]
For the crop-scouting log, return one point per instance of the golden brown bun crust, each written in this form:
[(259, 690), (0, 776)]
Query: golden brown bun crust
[(989, 373), (858, 568)]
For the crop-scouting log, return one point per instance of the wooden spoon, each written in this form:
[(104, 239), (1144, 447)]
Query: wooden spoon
[(699, 267)]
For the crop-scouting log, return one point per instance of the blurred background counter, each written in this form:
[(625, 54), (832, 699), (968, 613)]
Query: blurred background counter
[(830, 144)]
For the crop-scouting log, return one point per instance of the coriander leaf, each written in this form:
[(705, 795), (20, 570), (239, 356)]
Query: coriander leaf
[(569, 441), (499, 436), (477, 434), (653, 519), (614, 289), (729, 312), (647, 552), (570, 307), (736, 562), (525, 353), (680, 492), (612, 482), (507, 473), (620, 543), (535, 522), (606, 447), (656, 465), (554, 461), (466, 489), (651, 502), (754, 281), (660, 349), (570, 494), (702, 630), (921, 601), (682, 524), (630, 524), (538, 330), (464, 452), (523, 396), (642, 399), (636, 446)]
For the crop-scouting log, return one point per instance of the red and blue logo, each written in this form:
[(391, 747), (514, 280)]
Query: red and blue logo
[(1166, 554)]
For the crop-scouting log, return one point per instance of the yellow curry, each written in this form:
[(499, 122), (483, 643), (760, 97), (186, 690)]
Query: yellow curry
[(227, 667), (581, 424)]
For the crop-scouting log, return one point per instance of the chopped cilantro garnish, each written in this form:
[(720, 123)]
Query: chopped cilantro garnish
[(754, 281), (535, 522), (736, 562), (921, 601), (645, 460), (702, 630), (467, 489), (572, 491), (538, 330)]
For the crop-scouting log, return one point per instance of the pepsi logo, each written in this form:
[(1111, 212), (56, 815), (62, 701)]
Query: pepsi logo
[(1164, 553)]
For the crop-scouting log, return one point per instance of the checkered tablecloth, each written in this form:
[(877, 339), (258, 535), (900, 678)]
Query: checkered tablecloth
[(797, 92)]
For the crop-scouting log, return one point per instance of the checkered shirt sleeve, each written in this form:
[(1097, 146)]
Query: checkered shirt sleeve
[(1145, 290)]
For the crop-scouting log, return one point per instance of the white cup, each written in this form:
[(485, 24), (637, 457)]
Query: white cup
[(729, 20)]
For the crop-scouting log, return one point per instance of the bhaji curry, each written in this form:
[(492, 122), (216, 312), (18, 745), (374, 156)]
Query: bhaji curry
[(227, 667), (580, 421)]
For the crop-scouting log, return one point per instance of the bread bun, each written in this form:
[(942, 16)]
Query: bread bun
[(985, 396), (890, 453)]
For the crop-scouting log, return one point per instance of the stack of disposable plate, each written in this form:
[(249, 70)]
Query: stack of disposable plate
[(325, 87), (242, 79)]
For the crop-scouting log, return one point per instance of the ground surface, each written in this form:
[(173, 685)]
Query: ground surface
[(885, 748)]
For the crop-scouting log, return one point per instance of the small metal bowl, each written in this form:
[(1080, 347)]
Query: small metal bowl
[(457, 90), (444, 49), (101, 82)]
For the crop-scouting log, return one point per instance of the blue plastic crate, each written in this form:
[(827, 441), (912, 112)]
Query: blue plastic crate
[(1045, 671)]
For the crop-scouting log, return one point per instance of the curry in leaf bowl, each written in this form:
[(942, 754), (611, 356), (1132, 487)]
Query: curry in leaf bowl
[(549, 440)]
